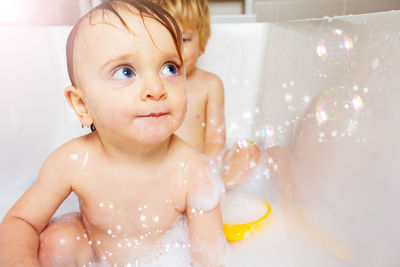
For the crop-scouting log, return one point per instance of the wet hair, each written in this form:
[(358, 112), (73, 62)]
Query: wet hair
[(191, 14), (145, 8)]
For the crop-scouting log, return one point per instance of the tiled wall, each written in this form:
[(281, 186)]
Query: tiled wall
[(283, 10), (225, 7), (272, 10)]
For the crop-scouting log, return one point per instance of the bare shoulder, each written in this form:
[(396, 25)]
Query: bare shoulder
[(63, 163), (185, 155), (212, 80), (199, 170)]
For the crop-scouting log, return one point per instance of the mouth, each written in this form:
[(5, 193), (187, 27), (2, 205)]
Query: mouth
[(154, 115)]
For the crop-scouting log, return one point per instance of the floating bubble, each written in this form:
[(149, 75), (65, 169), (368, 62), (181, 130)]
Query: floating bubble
[(266, 136), (334, 47), (338, 111), (243, 144)]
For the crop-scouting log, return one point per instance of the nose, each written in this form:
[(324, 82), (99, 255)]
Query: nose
[(153, 89)]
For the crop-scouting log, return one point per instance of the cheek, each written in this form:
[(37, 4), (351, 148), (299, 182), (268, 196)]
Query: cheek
[(110, 114), (178, 97), (117, 117), (190, 53), (181, 106)]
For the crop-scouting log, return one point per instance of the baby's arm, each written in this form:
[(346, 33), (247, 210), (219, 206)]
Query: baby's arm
[(22, 225), (208, 243), (215, 118), (206, 235)]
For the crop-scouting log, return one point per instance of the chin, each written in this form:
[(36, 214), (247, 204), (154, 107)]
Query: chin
[(154, 131), (154, 140), (154, 137)]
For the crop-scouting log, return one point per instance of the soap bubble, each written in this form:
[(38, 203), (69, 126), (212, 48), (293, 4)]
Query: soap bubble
[(266, 136), (337, 112), (334, 47)]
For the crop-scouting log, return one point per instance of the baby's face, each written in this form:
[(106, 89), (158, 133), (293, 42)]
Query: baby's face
[(191, 49), (133, 84)]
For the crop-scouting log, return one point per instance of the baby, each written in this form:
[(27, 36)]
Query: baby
[(143, 192), (204, 124)]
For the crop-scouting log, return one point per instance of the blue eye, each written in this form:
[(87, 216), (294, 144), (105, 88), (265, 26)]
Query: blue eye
[(169, 69), (124, 73)]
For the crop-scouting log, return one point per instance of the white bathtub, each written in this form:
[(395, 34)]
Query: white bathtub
[(271, 74)]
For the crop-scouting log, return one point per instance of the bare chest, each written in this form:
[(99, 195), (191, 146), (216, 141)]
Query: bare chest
[(114, 207)]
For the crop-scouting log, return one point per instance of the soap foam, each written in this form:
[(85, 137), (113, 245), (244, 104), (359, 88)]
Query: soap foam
[(240, 208), (208, 195)]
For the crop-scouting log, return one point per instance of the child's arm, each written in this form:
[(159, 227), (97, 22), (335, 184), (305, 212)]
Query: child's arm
[(22, 225), (215, 118), (208, 243)]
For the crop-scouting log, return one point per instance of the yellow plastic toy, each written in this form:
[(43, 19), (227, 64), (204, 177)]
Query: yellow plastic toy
[(237, 232)]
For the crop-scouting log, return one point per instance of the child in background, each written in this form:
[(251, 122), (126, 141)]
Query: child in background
[(204, 124), (144, 194)]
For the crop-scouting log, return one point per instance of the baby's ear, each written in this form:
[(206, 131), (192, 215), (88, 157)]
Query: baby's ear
[(201, 52), (76, 100)]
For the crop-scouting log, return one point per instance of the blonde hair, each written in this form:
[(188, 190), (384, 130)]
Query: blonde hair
[(191, 14)]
